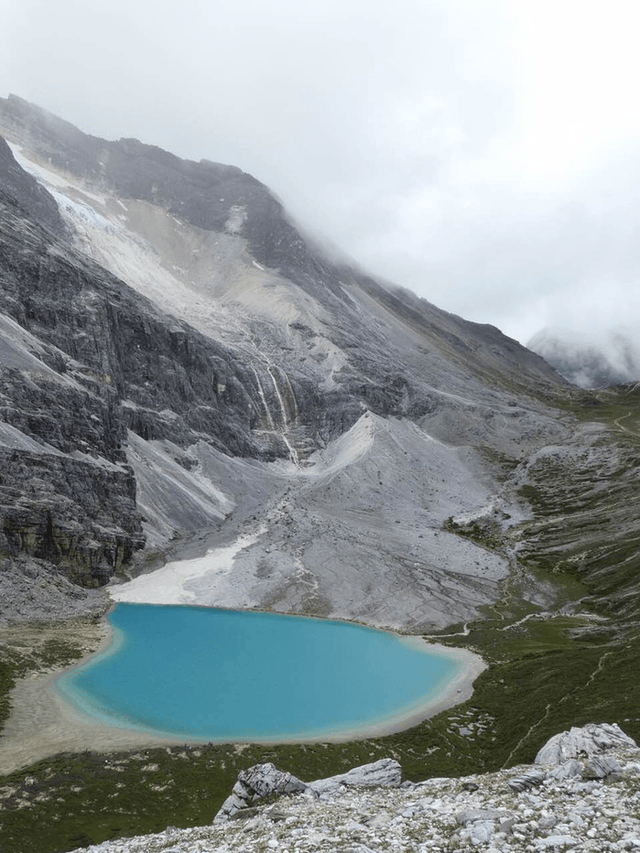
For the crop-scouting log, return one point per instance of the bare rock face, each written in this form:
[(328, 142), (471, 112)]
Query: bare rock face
[(263, 780), (73, 513), (84, 360), (386, 773), (589, 741), (33, 197), (253, 784)]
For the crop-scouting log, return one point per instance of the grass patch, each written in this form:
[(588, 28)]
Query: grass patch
[(485, 532)]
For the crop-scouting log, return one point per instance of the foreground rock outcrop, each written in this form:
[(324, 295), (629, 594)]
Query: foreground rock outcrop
[(536, 808), (265, 780)]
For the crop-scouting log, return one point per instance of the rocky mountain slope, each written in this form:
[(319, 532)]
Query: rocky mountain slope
[(184, 376), (184, 361), (581, 794)]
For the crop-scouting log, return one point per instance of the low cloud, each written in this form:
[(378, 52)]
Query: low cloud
[(483, 155)]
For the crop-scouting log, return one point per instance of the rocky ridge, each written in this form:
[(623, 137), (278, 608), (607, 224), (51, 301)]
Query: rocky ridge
[(582, 793)]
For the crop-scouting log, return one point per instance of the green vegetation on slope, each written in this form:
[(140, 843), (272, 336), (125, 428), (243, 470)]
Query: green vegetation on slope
[(29, 649)]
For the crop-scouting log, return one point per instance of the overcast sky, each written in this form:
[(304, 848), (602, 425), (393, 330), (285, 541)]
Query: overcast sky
[(482, 153)]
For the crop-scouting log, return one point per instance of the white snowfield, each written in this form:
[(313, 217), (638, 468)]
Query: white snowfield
[(170, 584)]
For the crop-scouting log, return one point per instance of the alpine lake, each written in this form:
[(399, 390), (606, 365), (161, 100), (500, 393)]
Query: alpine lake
[(205, 674)]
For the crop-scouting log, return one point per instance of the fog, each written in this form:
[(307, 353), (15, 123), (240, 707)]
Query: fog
[(482, 153)]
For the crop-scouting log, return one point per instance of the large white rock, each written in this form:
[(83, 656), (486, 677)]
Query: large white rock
[(264, 779), (583, 742), (385, 773), (253, 784)]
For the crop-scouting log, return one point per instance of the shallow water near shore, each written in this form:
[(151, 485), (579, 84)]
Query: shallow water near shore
[(221, 675)]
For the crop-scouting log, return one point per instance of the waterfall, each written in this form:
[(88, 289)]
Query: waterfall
[(296, 413), (293, 453), (283, 418), (265, 405), (283, 410)]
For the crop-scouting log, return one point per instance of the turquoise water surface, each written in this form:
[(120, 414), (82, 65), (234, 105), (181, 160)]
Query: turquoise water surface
[(211, 674)]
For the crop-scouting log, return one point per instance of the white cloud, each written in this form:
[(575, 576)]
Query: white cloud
[(481, 153)]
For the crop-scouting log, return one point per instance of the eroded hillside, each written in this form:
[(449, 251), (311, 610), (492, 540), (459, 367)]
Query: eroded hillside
[(242, 384)]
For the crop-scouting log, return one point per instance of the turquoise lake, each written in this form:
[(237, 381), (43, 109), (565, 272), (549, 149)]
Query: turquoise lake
[(211, 675)]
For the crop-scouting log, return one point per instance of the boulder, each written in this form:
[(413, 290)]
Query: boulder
[(262, 780), (253, 784), (601, 766), (583, 742), (385, 773), (524, 781), (474, 815), (571, 769)]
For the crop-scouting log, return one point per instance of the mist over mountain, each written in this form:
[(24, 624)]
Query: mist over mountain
[(607, 358)]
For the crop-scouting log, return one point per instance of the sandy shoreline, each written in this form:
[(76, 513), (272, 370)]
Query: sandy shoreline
[(43, 724)]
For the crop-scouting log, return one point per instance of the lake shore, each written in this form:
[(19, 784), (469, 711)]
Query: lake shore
[(43, 723)]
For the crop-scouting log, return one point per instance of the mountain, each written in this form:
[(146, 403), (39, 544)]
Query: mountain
[(614, 359), (199, 403), (181, 360)]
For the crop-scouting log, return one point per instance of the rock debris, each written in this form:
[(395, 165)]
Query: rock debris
[(553, 807)]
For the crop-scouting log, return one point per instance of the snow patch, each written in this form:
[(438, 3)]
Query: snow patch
[(168, 585), (81, 214)]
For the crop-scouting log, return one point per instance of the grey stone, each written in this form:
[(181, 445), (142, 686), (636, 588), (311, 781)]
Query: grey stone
[(601, 766), (264, 779), (506, 826), (386, 772), (553, 842), (473, 815), (585, 741), (256, 782), (571, 769), (529, 779), (481, 831)]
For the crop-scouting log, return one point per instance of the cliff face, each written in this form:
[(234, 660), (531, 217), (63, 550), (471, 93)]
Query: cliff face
[(177, 359), (84, 359), (33, 198)]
